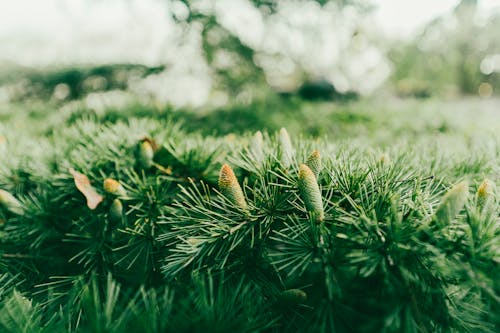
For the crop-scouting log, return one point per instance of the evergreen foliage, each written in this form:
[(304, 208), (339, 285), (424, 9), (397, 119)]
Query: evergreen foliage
[(204, 234)]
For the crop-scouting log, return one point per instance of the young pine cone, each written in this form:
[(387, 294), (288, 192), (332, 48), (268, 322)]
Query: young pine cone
[(314, 163), (230, 188), (310, 193)]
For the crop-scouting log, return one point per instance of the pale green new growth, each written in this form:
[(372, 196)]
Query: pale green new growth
[(314, 163), (257, 146), (293, 296), (114, 187), (484, 194), (8, 201), (310, 193), (230, 188), (452, 203), (145, 155), (286, 149), (116, 211), (384, 159)]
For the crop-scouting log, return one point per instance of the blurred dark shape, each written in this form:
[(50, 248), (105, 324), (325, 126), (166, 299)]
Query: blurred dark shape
[(76, 82), (317, 90), (322, 89)]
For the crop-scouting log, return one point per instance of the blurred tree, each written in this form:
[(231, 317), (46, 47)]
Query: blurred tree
[(446, 57), (228, 50), (468, 68), (241, 63)]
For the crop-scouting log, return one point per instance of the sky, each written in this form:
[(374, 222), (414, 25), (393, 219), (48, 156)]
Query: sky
[(41, 32), (402, 17)]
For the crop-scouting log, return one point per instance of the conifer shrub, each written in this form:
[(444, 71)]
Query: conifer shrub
[(140, 227)]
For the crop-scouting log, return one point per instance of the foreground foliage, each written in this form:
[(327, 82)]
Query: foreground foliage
[(137, 226)]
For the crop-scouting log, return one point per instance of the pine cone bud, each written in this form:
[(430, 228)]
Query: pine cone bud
[(452, 203), (286, 149), (384, 159), (145, 154), (113, 187), (257, 146), (115, 213), (484, 194), (193, 241), (8, 201), (310, 193), (314, 163), (230, 188), (293, 297)]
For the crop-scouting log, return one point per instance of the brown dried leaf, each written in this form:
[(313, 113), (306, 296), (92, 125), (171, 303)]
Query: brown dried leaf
[(83, 185)]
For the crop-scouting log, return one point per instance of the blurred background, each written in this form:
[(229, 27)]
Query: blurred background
[(249, 64)]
